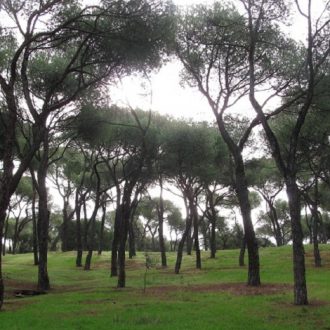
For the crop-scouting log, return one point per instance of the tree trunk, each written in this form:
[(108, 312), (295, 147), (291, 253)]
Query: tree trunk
[(189, 240), (43, 216), (242, 253), (5, 237), (251, 242), (115, 242), (213, 222), (181, 245), (131, 233), (65, 226), (2, 288), (300, 289), (161, 225), (213, 244), (92, 220), (34, 227), (102, 228), (78, 233), (43, 223), (317, 255), (131, 239), (195, 216), (88, 259), (276, 226), (123, 233)]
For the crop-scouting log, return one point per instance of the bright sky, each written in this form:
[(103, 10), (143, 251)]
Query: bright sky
[(164, 93)]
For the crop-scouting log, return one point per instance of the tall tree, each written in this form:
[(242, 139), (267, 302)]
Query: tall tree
[(210, 46), (299, 72)]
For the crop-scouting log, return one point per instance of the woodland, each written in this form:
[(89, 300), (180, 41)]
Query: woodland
[(110, 166)]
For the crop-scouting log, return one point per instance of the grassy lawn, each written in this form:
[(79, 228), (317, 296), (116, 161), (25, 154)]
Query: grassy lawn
[(213, 298)]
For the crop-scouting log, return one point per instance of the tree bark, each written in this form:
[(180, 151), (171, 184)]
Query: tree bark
[(115, 242), (101, 247), (34, 226), (251, 242), (2, 288), (78, 233), (195, 217), (242, 253), (5, 236), (161, 225), (43, 217), (300, 289), (181, 244), (65, 226), (123, 233), (190, 241)]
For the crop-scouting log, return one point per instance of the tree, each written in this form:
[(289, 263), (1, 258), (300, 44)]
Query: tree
[(210, 45), (190, 153), (262, 17)]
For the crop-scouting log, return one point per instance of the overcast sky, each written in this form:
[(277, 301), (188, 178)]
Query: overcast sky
[(163, 91)]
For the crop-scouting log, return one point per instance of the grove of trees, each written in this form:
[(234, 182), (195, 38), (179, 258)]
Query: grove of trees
[(61, 135)]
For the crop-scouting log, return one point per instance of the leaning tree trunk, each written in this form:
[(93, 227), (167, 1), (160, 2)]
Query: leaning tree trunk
[(181, 244), (276, 226), (300, 289)]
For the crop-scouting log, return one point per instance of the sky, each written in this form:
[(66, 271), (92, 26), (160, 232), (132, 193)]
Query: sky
[(163, 91)]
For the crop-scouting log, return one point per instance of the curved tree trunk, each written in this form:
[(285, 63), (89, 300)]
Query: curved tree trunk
[(251, 242)]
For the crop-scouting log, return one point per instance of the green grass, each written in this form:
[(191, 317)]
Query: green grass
[(89, 300)]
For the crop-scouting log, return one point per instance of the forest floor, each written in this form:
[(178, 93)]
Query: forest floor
[(215, 297)]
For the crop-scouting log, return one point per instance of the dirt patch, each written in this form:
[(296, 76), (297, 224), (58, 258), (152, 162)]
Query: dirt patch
[(130, 265), (12, 286), (239, 289)]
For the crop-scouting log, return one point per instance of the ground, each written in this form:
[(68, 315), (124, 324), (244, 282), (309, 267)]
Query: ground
[(215, 297)]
